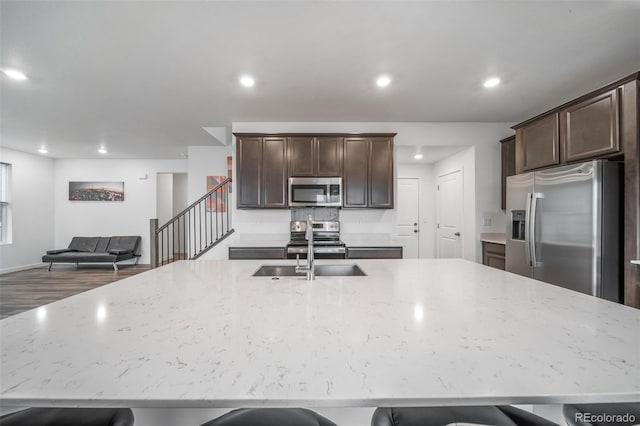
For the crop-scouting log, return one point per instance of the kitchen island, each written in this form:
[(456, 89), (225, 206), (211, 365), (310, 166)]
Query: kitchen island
[(411, 332)]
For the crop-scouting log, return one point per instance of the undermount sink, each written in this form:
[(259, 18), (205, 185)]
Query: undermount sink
[(321, 271)]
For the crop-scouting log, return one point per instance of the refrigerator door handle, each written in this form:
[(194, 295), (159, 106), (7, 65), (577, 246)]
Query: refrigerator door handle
[(527, 229), (532, 228)]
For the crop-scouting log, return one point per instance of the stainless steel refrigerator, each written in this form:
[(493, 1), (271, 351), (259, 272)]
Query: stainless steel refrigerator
[(564, 227)]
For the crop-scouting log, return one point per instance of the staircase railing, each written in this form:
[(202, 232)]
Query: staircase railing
[(195, 230)]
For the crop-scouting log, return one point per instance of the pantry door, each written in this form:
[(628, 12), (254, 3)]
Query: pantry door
[(449, 210)]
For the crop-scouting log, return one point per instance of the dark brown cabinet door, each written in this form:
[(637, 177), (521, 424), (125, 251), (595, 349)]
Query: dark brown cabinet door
[(274, 180), (355, 176), (508, 150), (302, 156), (381, 173), (328, 156), (590, 128), (249, 155), (537, 144)]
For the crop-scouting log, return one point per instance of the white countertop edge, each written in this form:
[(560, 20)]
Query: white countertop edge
[(494, 237), (323, 402)]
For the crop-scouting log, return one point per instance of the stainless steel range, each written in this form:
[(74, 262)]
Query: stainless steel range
[(326, 240)]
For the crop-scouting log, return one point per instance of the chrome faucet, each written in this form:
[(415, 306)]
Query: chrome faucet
[(310, 267)]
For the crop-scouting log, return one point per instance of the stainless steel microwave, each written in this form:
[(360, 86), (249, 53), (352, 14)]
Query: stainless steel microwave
[(315, 192)]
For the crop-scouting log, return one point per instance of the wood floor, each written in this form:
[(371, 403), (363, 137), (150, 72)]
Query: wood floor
[(24, 290)]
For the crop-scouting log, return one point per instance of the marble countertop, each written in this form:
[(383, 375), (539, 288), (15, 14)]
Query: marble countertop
[(494, 237), (412, 332)]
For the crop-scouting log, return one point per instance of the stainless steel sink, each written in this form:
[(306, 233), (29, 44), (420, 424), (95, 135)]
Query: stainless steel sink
[(321, 271)]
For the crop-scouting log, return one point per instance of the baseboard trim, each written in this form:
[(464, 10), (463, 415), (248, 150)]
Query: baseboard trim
[(23, 268)]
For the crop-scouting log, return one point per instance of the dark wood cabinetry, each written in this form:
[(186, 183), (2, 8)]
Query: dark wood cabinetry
[(354, 179), (266, 161), (381, 173), (493, 255), (368, 173), (328, 156), (262, 172), (537, 144), (249, 170), (508, 153), (315, 156), (245, 253), (374, 252), (590, 128)]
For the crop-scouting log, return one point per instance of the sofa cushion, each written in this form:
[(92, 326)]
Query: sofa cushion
[(124, 243), (59, 251), (119, 251), (86, 244), (103, 243)]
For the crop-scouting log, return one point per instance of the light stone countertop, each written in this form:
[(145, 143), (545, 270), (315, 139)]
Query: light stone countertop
[(412, 332), (494, 237)]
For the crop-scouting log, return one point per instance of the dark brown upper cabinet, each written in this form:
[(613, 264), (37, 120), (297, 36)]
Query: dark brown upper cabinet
[(355, 188), (591, 128), (508, 153), (302, 156), (368, 173), (381, 173), (537, 144), (315, 156), (328, 156), (262, 172)]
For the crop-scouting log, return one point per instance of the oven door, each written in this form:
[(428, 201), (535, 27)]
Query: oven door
[(318, 252)]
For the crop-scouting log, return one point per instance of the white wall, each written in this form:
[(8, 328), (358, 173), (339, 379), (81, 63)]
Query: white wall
[(464, 161), (205, 161), (180, 191), (484, 137), (32, 203), (164, 197), (427, 207), (95, 218)]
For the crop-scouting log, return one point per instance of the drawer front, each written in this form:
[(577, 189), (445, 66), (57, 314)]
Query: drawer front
[(374, 253), (248, 253), (493, 255)]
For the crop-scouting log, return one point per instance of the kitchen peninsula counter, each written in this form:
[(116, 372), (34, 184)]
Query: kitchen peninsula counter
[(411, 332)]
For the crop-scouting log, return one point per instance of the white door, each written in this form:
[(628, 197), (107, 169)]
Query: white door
[(408, 214), (450, 207)]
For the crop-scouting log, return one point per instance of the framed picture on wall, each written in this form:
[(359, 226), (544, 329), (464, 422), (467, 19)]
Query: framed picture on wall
[(217, 202), (96, 191)]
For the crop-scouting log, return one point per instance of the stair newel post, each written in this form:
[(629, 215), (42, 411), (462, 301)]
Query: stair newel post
[(153, 238)]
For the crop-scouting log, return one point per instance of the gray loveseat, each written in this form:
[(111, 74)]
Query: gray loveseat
[(96, 250)]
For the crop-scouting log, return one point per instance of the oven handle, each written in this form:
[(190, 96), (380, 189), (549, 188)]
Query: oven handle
[(338, 250)]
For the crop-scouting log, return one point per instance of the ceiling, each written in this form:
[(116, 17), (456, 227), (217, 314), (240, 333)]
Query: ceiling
[(144, 78), (404, 154)]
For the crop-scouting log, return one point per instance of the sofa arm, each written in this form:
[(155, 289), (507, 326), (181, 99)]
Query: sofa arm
[(119, 251), (58, 251)]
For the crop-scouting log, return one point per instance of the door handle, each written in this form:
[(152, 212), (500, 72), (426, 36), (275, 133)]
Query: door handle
[(457, 234), (415, 223), (416, 230), (532, 230)]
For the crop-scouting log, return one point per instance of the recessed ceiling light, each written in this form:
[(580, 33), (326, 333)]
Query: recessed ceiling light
[(383, 81), (491, 82), (15, 74), (418, 156), (102, 150), (43, 150), (247, 81)]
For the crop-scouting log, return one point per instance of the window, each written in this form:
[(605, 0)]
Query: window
[(5, 205)]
